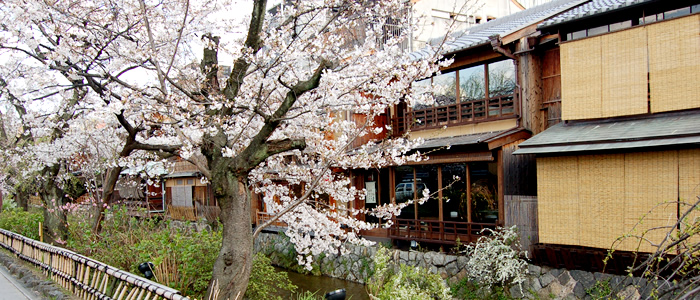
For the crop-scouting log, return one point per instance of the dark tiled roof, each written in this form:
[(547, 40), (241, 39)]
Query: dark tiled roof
[(591, 8), (664, 130), (479, 35), (469, 139)]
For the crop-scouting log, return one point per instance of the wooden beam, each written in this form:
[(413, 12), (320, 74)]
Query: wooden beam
[(519, 34), (476, 56), (507, 139), (454, 158), (501, 182)]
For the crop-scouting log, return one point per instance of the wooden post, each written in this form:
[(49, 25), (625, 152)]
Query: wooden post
[(41, 232), (501, 183), (392, 185), (415, 195), (440, 217), (469, 195)]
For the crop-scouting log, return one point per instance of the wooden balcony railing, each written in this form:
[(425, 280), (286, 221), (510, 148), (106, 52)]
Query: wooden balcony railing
[(465, 112), (262, 217), (433, 231)]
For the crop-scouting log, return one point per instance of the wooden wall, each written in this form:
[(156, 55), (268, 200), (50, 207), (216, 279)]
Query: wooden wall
[(646, 69), (591, 200), (521, 211), (519, 172), (551, 88)]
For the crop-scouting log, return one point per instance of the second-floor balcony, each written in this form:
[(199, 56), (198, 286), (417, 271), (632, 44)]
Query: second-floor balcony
[(465, 112)]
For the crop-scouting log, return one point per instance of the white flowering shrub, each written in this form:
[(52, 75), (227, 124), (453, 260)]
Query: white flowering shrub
[(495, 259), (409, 283)]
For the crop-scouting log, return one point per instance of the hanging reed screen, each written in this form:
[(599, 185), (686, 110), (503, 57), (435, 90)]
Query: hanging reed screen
[(624, 73), (674, 64), (580, 79), (591, 200)]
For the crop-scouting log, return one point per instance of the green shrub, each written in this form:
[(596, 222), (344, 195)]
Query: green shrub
[(183, 260), (470, 290), (409, 283), (25, 223), (265, 281)]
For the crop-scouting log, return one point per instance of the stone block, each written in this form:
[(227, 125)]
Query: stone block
[(629, 293), (555, 272), (403, 255), (462, 261), (553, 290), (564, 277), (585, 278), (461, 275), (534, 270), (428, 257), (546, 279), (452, 269), (534, 284), (412, 255), (579, 290), (439, 259), (516, 292)]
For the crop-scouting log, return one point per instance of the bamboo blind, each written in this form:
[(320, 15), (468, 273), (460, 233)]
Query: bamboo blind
[(601, 202), (557, 212), (674, 64), (651, 178), (581, 67), (624, 73), (591, 200), (689, 183)]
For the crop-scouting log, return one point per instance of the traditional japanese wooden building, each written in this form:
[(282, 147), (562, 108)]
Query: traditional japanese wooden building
[(628, 145), (494, 96)]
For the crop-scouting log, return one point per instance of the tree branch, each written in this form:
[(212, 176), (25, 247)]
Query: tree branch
[(252, 42)]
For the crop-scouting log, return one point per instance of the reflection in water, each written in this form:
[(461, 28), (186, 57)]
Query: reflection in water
[(322, 285)]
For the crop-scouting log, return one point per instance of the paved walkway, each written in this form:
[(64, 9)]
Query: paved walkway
[(11, 289)]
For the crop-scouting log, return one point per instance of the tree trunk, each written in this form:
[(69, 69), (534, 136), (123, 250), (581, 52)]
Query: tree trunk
[(22, 197), (107, 191), (53, 198), (232, 267)]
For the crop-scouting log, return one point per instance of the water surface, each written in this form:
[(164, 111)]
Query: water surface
[(323, 284)]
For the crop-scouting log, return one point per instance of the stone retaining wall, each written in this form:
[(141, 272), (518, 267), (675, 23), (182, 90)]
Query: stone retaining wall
[(542, 282)]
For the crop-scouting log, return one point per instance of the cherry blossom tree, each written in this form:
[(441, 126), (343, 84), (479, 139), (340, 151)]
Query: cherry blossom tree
[(272, 124)]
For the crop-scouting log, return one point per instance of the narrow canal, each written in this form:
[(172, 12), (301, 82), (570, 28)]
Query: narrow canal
[(322, 285)]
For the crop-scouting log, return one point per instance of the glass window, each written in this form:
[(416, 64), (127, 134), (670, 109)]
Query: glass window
[(421, 87), (454, 192), (677, 12), (578, 34), (648, 19), (404, 190), (621, 25), (427, 178), (501, 78), (598, 30), (471, 83), (483, 192), (445, 88)]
